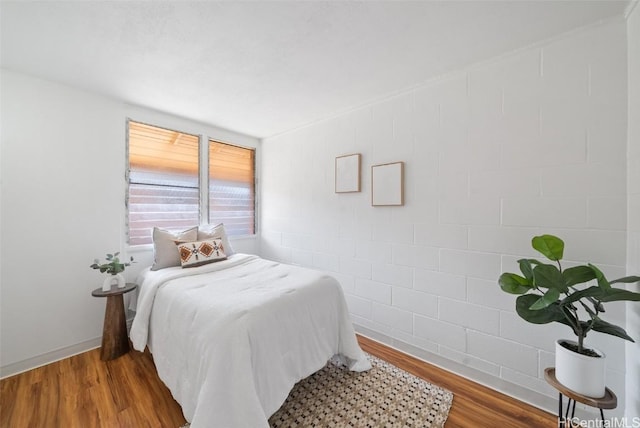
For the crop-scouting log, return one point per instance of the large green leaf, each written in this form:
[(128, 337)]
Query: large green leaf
[(578, 275), (608, 328), (626, 279), (549, 276), (542, 316), (514, 284), (547, 299), (526, 268), (550, 246), (608, 295), (602, 280), (593, 291), (618, 294)]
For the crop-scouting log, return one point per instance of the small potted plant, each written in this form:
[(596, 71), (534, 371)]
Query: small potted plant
[(549, 293), (113, 266)]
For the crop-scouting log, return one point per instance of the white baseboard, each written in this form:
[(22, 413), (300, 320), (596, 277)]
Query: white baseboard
[(57, 355), (49, 357), (528, 396)]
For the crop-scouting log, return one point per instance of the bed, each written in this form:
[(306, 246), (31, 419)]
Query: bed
[(231, 338)]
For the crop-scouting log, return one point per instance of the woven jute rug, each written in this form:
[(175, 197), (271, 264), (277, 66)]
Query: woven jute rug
[(384, 396)]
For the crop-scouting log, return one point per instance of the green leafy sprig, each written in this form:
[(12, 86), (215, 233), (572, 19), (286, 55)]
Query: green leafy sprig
[(113, 264)]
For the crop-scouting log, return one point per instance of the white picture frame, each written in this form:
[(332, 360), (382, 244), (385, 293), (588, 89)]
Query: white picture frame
[(347, 173), (387, 184)]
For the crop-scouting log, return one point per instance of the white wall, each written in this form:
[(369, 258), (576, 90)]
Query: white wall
[(633, 222), (62, 205), (530, 143)]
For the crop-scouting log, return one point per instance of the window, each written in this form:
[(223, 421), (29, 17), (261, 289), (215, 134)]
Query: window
[(165, 187), (231, 187)]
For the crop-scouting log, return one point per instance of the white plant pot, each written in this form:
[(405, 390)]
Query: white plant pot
[(580, 373), (112, 280)]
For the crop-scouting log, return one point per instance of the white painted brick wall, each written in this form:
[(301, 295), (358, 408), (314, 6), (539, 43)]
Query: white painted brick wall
[(393, 233), (376, 291), (394, 317), (359, 306), (443, 333), (470, 361), (415, 301), (473, 264), (328, 262), (347, 282), (440, 283), (513, 327), (394, 275), (359, 268), (484, 292), (533, 382), (504, 352), (441, 235), (302, 258), (600, 215), (530, 143), (471, 316), (566, 212), (415, 256), (374, 251)]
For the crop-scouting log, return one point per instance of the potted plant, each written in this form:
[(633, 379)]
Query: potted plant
[(113, 266), (549, 293)]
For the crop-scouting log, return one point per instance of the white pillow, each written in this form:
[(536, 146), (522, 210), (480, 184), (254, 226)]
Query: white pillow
[(165, 252), (200, 252), (209, 231)]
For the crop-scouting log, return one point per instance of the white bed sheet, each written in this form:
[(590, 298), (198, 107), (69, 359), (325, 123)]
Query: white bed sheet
[(230, 339)]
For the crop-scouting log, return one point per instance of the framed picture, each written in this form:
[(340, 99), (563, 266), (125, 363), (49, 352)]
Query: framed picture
[(387, 184), (348, 173)]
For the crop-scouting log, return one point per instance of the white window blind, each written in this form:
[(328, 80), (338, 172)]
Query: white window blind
[(232, 187), (163, 181)]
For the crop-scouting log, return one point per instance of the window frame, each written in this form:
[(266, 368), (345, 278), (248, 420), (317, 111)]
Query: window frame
[(203, 176)]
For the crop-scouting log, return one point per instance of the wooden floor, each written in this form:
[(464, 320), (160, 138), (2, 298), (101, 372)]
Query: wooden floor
[(84, 392)]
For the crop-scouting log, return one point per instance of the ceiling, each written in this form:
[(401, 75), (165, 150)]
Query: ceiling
[(262, 68)]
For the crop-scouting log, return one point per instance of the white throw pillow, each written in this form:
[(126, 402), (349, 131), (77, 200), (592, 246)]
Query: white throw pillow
[(209, 231), (165, 252)]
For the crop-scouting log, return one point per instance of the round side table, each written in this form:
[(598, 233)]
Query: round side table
[(115, 341), (609, 401)]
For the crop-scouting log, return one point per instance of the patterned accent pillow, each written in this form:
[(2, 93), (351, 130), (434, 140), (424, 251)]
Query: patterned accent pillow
[(200, 252)]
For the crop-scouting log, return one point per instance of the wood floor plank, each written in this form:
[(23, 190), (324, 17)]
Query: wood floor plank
[(83, 391), (8, 388)]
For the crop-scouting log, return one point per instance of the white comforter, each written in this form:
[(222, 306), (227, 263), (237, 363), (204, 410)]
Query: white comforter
[(230, 339)]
